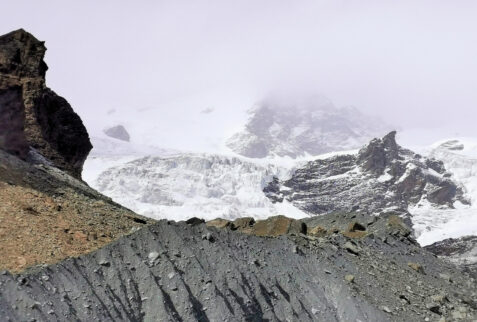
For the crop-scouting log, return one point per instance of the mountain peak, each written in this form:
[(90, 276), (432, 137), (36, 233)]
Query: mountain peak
[(379, 153), (299, 127)]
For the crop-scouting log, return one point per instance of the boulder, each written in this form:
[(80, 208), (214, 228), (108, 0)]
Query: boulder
[(219, 223)]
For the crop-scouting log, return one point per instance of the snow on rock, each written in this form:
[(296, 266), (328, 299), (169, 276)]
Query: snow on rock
[(435, 224), (381, 176), (297, 128)]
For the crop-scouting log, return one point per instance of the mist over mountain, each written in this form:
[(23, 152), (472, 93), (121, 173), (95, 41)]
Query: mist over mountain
[(280, 126)]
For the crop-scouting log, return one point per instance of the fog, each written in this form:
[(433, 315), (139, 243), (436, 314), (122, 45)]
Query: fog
[(180, 72)]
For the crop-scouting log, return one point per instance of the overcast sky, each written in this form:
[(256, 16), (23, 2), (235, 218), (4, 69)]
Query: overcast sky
[(185, 68)]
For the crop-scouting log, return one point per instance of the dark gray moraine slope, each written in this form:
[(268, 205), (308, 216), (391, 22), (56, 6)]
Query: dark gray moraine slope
[(178, 272)]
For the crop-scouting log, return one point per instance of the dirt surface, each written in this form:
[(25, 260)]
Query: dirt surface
[(46, 216)]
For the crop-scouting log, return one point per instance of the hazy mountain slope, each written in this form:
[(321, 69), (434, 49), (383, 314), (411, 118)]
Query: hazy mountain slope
[(297, 128)]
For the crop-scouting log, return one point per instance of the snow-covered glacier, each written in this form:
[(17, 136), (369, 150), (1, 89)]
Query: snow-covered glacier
[(183, 185)]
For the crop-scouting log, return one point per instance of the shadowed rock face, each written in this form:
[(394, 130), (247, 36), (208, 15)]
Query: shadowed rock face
[(49, 124), (12, 120), (380, 176)]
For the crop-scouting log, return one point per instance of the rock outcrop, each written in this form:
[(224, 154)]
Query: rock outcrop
[(46, 215), (47, 122), (118, 132), (382, 175)]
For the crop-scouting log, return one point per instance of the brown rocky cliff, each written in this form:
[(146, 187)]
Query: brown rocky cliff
[(49, 123)]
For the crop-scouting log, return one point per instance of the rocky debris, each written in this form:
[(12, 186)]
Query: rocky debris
[(272, 227), (46, 120), (277, 226), (381, 176), (47, 215), (118, 132), (460, 251), (278, 127), (242, 277)]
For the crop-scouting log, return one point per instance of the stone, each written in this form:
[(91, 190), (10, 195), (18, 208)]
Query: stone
[(353, 249), (386, 309), (208, 236), (219, 223), (417, 267), (434, 307), (349, 278), (277, 226), (152, 256), (194, 221)]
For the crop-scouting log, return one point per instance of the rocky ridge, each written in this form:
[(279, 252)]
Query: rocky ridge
[(382, 175)]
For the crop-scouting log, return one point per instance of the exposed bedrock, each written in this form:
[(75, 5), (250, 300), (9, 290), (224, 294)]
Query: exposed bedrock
[(381, 176), (50, 125)]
